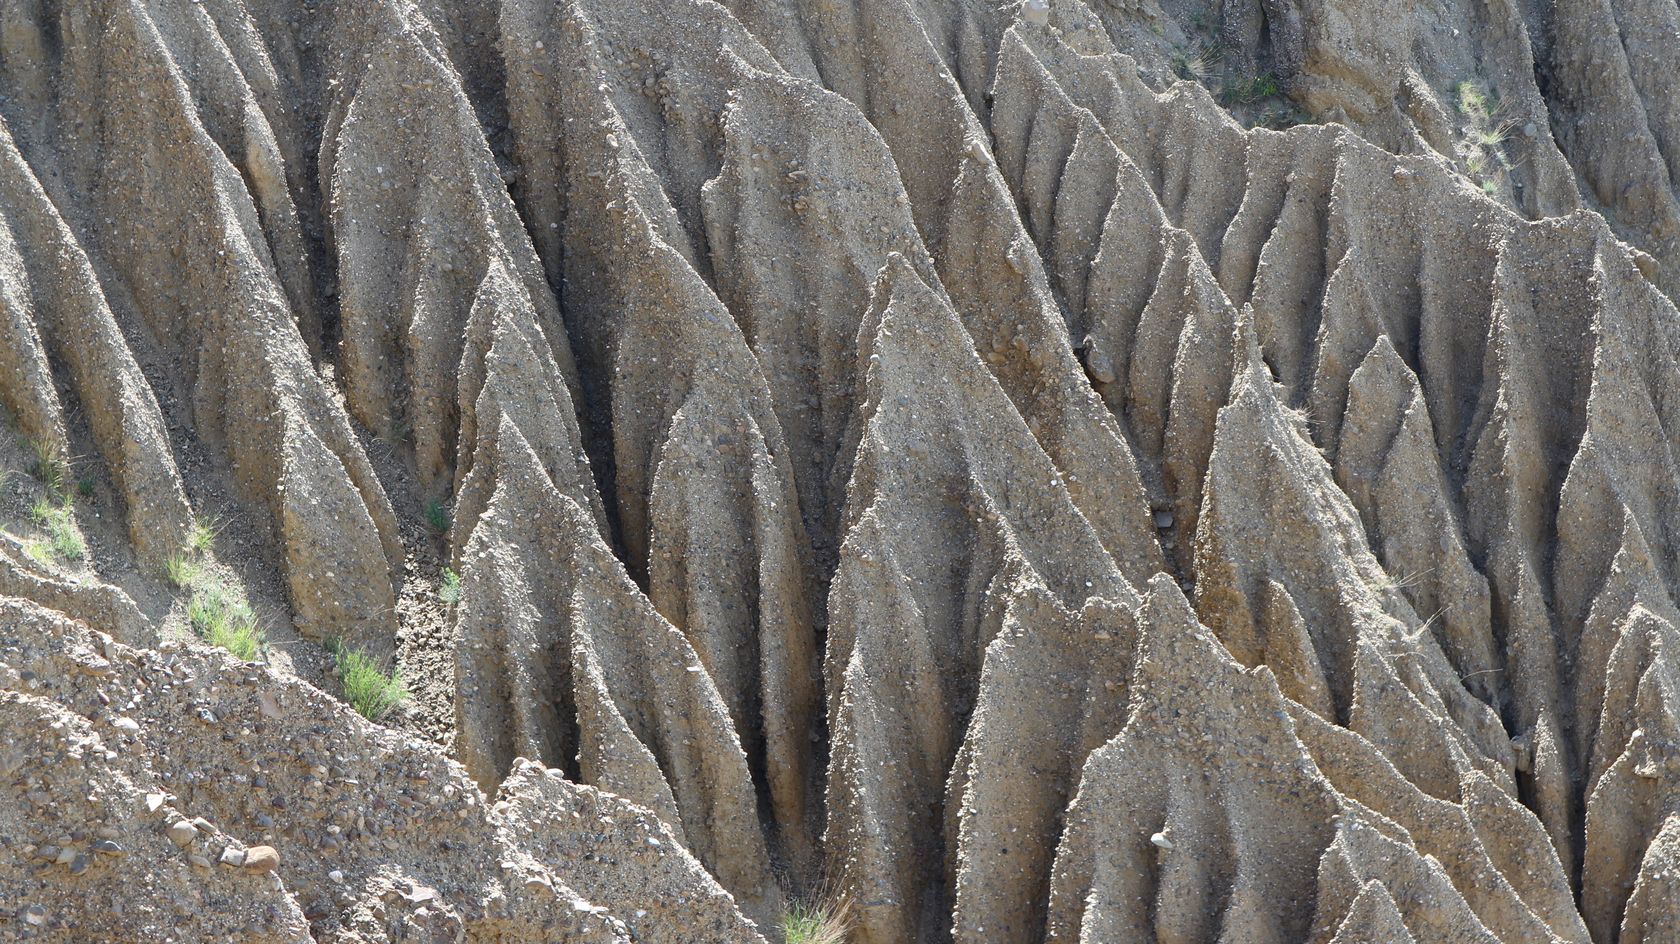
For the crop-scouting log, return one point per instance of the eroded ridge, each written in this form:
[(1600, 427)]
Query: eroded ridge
[(1041, 471)]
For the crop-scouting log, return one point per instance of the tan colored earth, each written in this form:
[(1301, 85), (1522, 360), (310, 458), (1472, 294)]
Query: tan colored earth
[(1015, 471)]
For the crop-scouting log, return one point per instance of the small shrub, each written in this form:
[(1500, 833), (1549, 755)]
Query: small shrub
[(221, 617), (817, 923), (449, 591), (64, 542), (437, 516), (84, 487), (373, 693)]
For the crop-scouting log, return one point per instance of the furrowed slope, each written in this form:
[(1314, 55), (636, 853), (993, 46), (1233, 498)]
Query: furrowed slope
[(909, 452)]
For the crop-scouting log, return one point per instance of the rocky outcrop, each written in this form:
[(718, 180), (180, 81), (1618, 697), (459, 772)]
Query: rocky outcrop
[(184, 790), (914, 453)]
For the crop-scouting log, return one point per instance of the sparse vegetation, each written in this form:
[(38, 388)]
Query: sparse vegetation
[(1470, 99), (182, 571), (48, 467), (1200, 63), (437, 516), (63, 542), (370, 690), (1247, 91), (1485, 133), (84, 487), (201, 537), (449, 591), (400, 431), (218, 613), (220, 616), (1196, 63), (39, 551), (822, 922)]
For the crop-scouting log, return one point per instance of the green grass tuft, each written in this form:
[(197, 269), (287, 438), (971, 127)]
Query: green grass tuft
[(221, 617), (373, 693), (1250, 90), (182, 571), (817, 923), (84, 487), (48, 467), (1472, 102), (40, 552), (201, 537), (437, 516), (1485, 134), (449, 591), (63, 541)]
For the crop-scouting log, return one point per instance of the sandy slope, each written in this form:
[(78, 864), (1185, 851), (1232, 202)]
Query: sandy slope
[(1099, 471)]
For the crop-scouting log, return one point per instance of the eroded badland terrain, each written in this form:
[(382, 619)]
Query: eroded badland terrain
[(1014, 471)]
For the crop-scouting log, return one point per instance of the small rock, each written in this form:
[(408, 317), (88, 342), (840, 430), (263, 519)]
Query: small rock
[(108, 847), (126, 724), (232, 857), (199, 861), (66, 856), (1037, 12), (182, 833), (1099, 366), (1160, 839), (35, 915), (154, 801), (261, 859), (337, 876)]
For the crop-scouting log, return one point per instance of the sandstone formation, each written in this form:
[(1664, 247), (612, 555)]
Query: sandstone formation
[(1027, 470)]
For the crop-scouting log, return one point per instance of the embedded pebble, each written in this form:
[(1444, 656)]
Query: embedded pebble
[(261, 859), (182, 832)]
